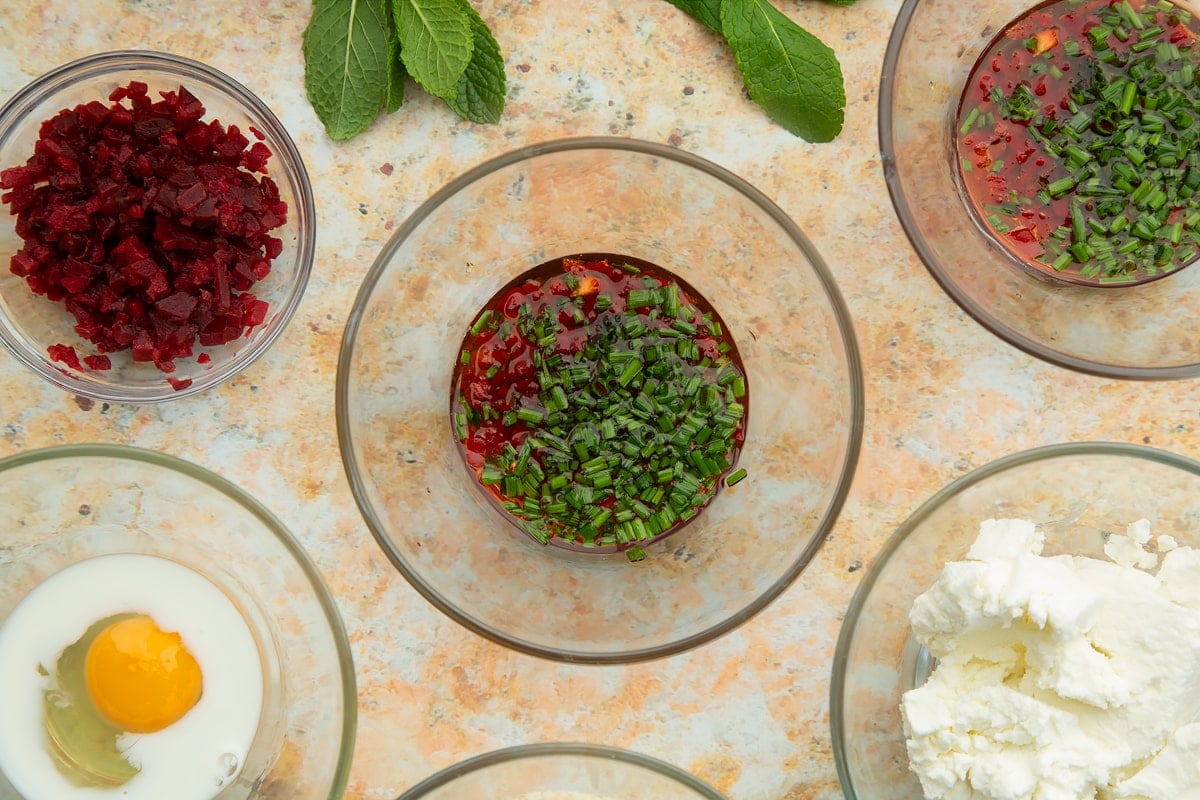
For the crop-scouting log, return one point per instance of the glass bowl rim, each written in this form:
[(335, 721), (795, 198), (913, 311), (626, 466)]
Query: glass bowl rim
[(837, 684), (271, 523), (904, 212), (837, 306), (519, 752), (46, 85)]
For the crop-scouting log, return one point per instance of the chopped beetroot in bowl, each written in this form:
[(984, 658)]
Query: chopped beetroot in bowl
[(160, 216), (147, 222)]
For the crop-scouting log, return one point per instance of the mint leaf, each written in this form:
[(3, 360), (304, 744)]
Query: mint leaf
[(346, 63), (435, 42), (480, 95), (707, 12), (396, 72), (787, 70)]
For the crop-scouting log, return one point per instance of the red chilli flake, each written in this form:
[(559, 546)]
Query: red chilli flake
[(148, 223)]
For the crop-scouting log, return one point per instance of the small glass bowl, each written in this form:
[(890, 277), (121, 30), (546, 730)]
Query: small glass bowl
[(1147, 331), (30, 323), (1077, 494), (717, 234), (66, 504), (562, 772)]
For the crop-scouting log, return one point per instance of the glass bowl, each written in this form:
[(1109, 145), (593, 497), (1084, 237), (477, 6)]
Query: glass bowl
[(716, 233), (30, 323), (66, 504), (562, 772), (1077, 493), (1138, 332)]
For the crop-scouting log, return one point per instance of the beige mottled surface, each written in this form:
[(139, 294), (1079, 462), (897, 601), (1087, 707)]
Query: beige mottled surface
[(749, 712)]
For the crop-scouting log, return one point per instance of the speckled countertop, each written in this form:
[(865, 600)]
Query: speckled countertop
[(748, 712)]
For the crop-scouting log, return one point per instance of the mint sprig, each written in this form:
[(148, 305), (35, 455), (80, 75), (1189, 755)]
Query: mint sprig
[(789, 72), (358, 55)]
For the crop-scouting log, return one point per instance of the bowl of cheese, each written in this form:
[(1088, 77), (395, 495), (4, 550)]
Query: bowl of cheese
[(1031, 631)]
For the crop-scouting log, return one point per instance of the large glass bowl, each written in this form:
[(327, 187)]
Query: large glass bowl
[(66, 504), (1141, 332), (562, 772), (718, 234), (30, 323), (1077, 493)]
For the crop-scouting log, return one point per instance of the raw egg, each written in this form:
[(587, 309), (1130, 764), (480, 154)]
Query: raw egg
[(139, 677), (127, 676)]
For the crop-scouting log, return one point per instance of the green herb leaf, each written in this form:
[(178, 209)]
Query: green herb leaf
[(346, 63), (397, 75), (788, 71), (707, 12), (480, 95), (435, 42)]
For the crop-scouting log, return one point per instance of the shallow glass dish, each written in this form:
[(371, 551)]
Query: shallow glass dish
[(1139, 332), (562, 772), (1077, 493), (716, 233), (66, 504), (30, 323)]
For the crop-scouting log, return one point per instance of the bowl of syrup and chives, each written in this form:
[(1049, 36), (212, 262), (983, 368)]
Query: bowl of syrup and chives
[(552, 371), (600, 402), (1043, 162)]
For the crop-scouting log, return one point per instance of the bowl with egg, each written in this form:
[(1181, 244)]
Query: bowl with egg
[(599, 400), (157, 226), (1041, 159), (562, 771), (1030, 631), (162, 635)]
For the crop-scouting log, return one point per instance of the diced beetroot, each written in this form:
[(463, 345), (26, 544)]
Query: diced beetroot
[(255, 159), (15, 177), (191, 197), (93, 113), (23, 264), (148, 223), (254, 311), (177, 307), (64, 354)]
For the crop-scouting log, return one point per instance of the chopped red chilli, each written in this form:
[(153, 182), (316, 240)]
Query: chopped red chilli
[(599, 400), (148, 223)]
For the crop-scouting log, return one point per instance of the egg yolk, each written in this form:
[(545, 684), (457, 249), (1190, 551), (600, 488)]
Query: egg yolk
[(139, 677)]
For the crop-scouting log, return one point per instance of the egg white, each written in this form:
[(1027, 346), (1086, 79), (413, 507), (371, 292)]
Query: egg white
[(189, 760)]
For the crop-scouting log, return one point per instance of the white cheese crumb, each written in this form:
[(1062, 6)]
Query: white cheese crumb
[(1130, 550)]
